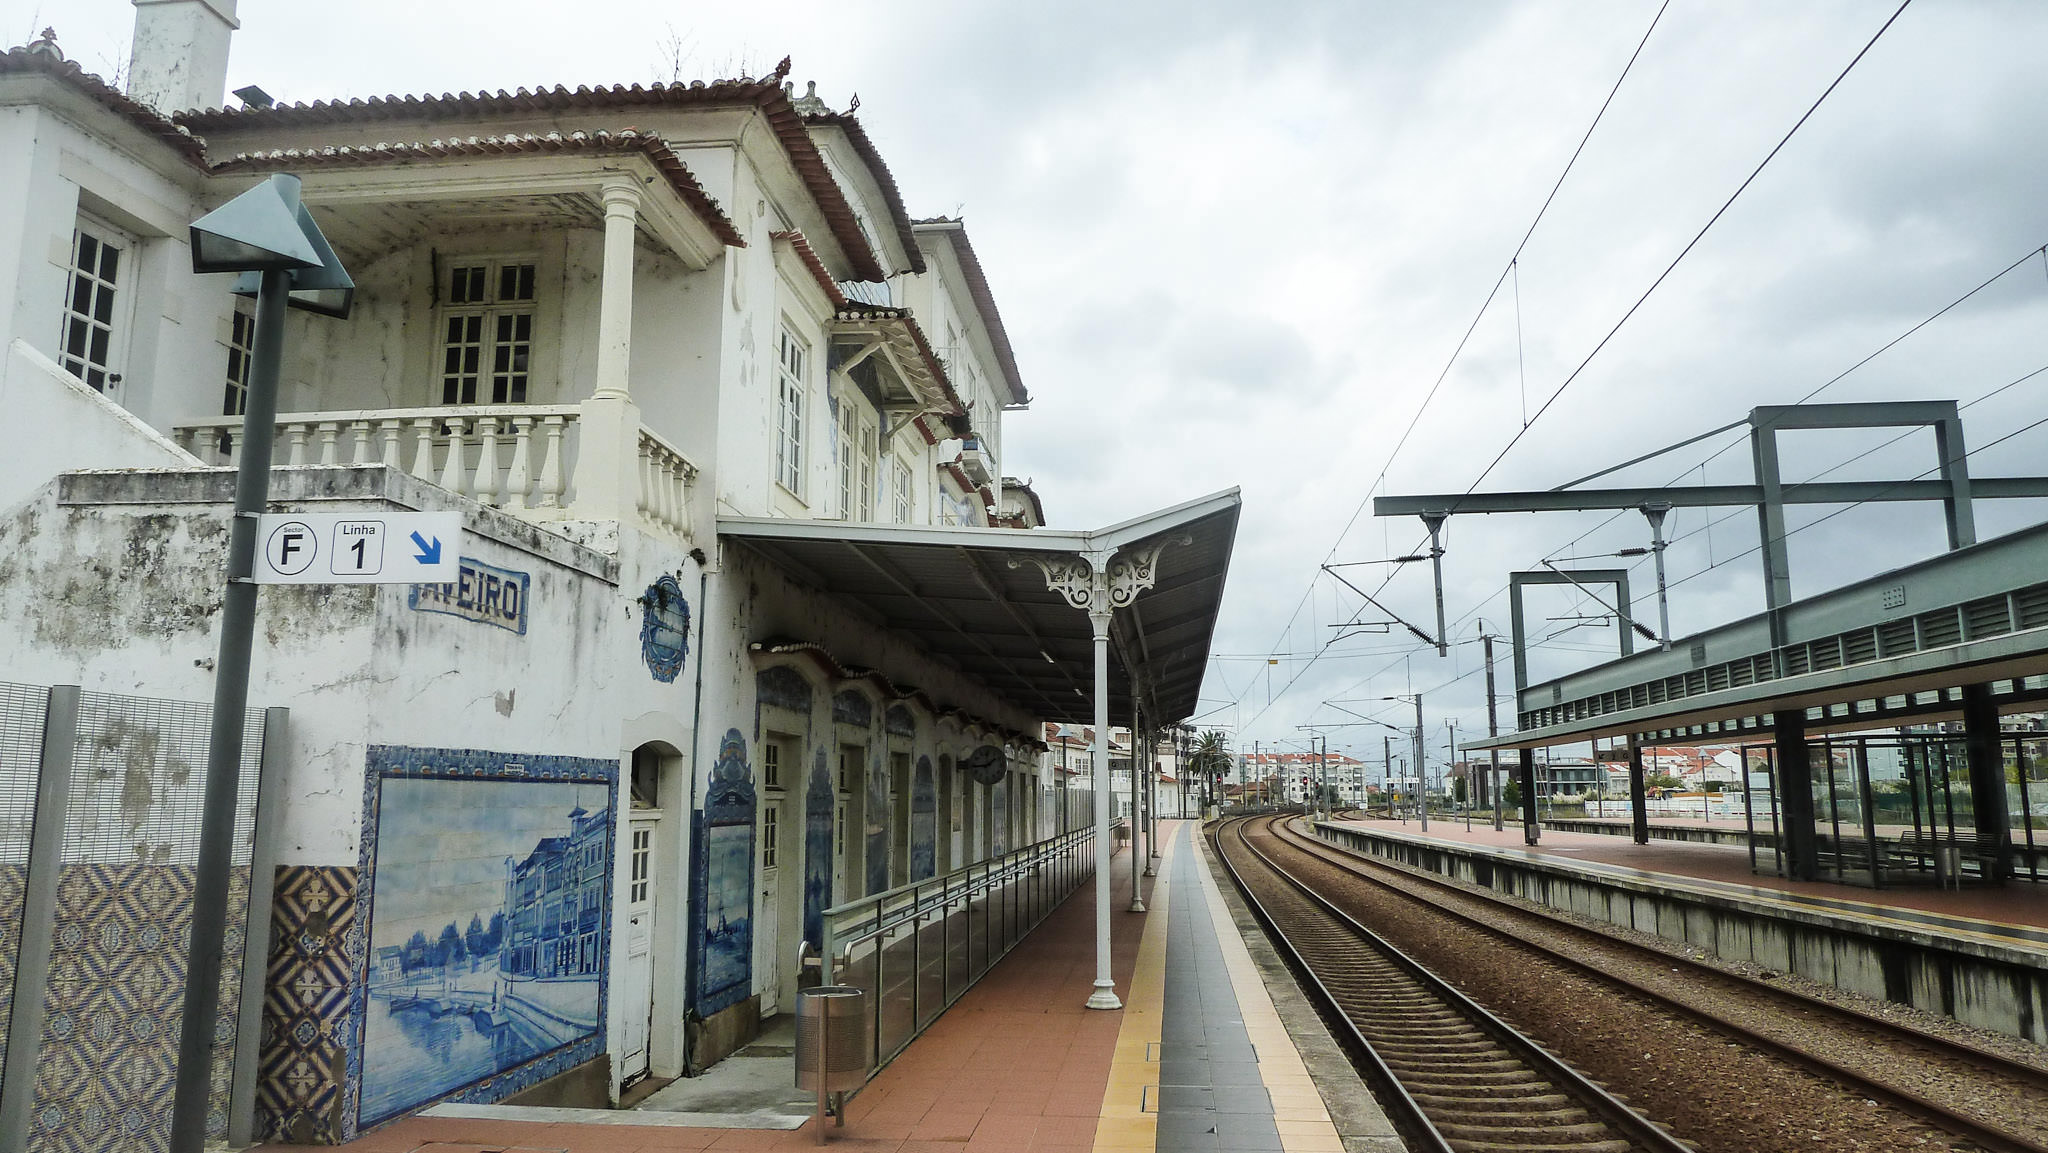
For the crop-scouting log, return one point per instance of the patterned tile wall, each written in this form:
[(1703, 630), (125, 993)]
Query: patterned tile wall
[(115, 1004), (302, 1090)]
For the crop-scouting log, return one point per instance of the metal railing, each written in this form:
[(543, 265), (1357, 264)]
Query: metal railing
[(916, 948)]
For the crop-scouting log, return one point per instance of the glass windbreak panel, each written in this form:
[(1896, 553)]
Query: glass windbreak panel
[(899, 984), (1957, 805), (2027, 772), (1760, 810), (931, 971), (1821, 782)]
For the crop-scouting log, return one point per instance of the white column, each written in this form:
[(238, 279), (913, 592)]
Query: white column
[(1104, 996), (1137, 808), (608, 474), (615, 299), (1151, 798)]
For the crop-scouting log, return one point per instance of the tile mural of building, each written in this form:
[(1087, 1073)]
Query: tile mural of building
[(488, 922)]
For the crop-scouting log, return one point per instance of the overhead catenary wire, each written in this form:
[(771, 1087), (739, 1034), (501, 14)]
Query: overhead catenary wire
[(1486, 304), (1641, 299)]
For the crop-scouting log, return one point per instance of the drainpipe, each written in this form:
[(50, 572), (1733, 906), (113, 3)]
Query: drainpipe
[(696, 764)]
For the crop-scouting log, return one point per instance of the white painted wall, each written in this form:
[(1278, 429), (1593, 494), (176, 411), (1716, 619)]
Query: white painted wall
[(97, 433)]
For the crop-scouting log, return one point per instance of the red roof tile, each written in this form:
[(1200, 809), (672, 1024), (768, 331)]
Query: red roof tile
[(48, 61), (858, 137), (765, 94), (984, 300), (627, 142), (809, 256)]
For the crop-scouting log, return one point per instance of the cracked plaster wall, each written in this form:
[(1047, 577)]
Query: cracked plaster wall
[(125, 598)]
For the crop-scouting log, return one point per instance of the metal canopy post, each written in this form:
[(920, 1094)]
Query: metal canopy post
[(1638, 795), (1532, 829), (1794, 762), (1137, 811), (1104, 996), (1099, 581), (1985, 748)]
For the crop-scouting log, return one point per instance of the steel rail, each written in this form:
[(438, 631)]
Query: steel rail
[(1993, 1140), (1620, 1125)]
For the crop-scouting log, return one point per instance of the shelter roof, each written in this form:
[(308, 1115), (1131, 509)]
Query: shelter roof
[(923, 373), (1898, 647), (765, 94), (974, 598), (627, 142)]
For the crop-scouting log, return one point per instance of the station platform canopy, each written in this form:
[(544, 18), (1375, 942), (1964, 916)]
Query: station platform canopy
[(985, 600), (1896, 649)]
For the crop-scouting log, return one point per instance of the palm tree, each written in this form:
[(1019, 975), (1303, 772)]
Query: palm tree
[(1211, 759)]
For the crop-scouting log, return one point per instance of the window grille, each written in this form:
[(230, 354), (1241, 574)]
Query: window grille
[(487, 333), (241, 347), (88, 347), (869, 439), (849, 430), (643, 855), (791, 359)]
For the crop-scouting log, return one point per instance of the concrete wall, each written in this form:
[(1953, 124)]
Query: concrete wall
[(1978, 983)]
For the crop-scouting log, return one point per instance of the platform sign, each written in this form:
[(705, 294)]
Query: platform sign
[(317, 548)]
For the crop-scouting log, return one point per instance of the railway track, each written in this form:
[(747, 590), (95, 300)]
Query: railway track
[(1889, 1060), (1453, 1076)]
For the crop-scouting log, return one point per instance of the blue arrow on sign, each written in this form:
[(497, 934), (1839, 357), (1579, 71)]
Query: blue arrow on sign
[(430, 552)]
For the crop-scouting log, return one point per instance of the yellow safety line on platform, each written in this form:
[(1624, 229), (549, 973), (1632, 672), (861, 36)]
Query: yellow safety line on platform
[(1298, 1111), (1124, 1125)]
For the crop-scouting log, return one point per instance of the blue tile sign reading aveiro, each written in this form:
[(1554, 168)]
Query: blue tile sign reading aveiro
[(483, 593)]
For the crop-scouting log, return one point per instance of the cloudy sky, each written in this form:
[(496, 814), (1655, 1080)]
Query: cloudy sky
[(1238, 245)]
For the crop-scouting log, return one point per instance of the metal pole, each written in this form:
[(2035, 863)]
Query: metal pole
[(1451, 723), (1492, 732), (1655, 514), (224, 745), (1387, 775), (1151, 799), (1421, 772), (1104, 996), (1141, 808), (38, 917), (1435, 521)]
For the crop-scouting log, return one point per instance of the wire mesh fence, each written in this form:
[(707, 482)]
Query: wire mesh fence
[(113, 1000)]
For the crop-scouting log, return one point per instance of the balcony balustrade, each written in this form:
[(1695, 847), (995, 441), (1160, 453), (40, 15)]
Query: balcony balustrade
[(522, 458)]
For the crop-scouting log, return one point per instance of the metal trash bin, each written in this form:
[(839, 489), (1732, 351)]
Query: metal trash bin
[(1948, 866), (832, 1036)]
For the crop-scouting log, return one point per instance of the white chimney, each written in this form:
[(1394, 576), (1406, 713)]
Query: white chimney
[(180, 56)]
